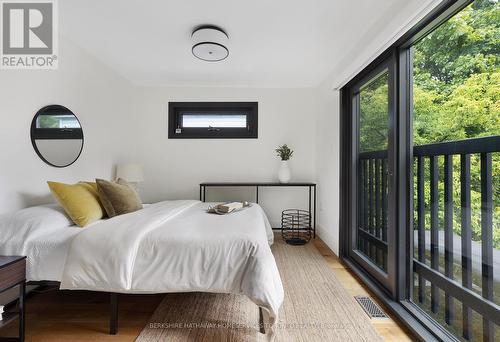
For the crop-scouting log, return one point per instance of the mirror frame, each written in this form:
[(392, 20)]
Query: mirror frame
[(65, 134)]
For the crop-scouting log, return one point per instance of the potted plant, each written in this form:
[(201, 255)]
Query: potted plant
[(285, 153)]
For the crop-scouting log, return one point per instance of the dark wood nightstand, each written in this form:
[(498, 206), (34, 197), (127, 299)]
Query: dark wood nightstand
[(12, 273)]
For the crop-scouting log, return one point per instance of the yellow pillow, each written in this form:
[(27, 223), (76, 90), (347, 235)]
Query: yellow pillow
[(92, 187), (80, 201)]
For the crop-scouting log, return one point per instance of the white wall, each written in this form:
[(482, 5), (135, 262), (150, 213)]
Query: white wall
[(328, 130), (327, 166), (122, 123), (175, 167), (92, 91)]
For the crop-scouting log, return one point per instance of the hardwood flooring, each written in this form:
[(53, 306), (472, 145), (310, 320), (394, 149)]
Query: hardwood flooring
[(80, 316), (390, 329)]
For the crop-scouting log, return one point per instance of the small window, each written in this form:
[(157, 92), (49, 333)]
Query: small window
[(206, 120), (212, 120)]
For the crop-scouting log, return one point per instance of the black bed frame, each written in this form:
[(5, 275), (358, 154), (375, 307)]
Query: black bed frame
[(113, 307)]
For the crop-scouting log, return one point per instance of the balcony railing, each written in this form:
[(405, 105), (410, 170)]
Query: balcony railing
[(372, 232), (435, 206)]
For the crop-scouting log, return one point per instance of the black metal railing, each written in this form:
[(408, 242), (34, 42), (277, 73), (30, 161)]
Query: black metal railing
[(484, 148), (430, 160), (372, 231)]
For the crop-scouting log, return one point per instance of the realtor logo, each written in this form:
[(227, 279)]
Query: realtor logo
[(29, 35)]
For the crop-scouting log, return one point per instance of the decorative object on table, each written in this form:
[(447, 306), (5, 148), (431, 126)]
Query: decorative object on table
[(131, 172), (227, 208), (296, 226), (258, 185), (285, 153)]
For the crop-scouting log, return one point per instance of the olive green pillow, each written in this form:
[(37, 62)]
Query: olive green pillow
[(118, 197)]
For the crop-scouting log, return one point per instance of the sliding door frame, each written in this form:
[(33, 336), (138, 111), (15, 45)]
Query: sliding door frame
[(398, 302), (386, 278)]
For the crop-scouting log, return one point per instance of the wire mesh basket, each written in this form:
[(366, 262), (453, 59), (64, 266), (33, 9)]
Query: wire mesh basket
[(296, 226)]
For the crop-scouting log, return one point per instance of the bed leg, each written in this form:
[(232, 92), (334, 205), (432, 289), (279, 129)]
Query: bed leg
[(262, 330), (113, 317)]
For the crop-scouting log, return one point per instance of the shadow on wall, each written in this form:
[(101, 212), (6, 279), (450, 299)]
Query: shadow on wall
[(30, 200)]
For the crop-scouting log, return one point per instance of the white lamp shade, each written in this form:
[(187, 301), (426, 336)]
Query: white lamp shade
[(130, 172), (210, 43)]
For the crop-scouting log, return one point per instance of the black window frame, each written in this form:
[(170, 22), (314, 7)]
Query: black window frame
[(176, 110), (400, 302)]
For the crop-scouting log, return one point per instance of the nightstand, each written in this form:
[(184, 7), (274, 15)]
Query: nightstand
[(12, 273)]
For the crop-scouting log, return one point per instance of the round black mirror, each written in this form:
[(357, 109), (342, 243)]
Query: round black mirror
[(57, 136)]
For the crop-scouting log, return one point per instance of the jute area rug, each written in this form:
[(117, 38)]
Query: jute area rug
[(316, 308)]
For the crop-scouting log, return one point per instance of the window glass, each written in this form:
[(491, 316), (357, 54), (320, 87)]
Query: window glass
[(456, 97), (374, 106), (214, 120)]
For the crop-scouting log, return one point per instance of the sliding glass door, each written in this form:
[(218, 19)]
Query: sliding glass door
[(456, 173), (372, 228), (420, 178)]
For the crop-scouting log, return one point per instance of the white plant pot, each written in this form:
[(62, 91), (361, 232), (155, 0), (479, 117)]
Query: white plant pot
[(284, 174)]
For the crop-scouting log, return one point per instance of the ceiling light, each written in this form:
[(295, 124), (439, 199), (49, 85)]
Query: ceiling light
[(209, 43)]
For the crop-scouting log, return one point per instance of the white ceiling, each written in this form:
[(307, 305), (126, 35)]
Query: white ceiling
[(273, 43)]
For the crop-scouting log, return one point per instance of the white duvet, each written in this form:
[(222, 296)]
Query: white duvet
[(172, 246), (43, 234)]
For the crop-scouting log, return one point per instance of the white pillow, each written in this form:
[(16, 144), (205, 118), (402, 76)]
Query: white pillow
[(17, 227)]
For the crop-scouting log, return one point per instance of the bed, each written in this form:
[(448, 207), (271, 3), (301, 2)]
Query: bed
[(170, 246)]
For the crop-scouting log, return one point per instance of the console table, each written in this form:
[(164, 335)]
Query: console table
[(257, 185)]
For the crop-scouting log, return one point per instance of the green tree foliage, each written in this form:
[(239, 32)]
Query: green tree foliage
[(457, 96), (374, 104)]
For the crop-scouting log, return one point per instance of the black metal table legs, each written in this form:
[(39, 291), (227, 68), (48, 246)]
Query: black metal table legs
[(311, 195)]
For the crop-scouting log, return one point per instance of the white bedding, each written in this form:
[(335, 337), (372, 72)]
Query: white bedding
[(172, 246), (41, 233)]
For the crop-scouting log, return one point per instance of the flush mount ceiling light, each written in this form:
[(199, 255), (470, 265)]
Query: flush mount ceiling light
[(209, 43)]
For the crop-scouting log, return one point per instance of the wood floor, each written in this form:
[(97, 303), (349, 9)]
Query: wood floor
[(79, 316), (390, 329)]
